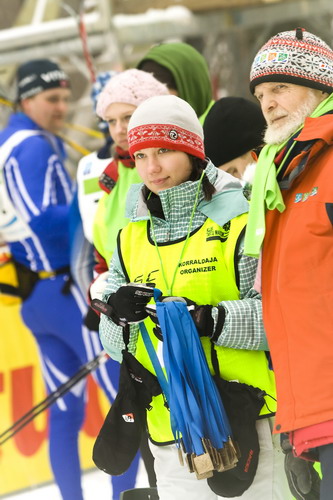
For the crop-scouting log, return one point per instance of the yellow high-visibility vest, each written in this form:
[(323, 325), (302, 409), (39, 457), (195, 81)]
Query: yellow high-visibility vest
[(206, 275)]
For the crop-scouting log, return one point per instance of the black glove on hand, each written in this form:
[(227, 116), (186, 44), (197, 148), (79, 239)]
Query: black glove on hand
[(303, 479), (201, 315), (127, 304)]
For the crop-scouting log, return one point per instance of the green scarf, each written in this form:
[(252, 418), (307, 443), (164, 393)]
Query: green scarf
[(266, 194)]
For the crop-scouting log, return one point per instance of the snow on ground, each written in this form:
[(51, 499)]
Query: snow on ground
[(96, 484)]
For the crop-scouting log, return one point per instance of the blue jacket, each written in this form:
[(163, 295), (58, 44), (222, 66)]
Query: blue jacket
[(40, 189)]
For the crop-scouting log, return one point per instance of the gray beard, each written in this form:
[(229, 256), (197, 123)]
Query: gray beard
[(277, 135)]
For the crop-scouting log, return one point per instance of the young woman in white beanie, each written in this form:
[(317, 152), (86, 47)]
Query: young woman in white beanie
[(185, 236), (115, 104)]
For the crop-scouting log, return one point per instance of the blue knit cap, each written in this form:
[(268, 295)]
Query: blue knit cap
[(101, 80), (97, 87)]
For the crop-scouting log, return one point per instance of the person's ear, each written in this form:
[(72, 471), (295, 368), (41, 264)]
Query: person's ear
[(25, 105)]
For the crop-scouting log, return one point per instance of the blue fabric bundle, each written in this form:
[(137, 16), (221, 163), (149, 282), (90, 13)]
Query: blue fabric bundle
[(195, 404)]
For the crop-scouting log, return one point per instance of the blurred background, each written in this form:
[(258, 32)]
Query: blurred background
[(96, 35), (87, 37)]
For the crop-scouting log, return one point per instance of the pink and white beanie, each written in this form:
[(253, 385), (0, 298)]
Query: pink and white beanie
[(131, 86), (166, 122), (297, 57)]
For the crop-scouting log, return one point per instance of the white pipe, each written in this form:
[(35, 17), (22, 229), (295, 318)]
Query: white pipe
[(22, 36), (39, 12)]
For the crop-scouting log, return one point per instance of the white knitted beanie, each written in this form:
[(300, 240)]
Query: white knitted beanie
[(166, 122), (131, 86), (297, 57)]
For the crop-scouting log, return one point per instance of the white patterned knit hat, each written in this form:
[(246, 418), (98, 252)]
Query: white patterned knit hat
[(297, 57), (131, 86), (166, 122)]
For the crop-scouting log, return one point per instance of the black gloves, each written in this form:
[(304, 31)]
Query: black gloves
[(127, 304), (201, 315), (303, 479)]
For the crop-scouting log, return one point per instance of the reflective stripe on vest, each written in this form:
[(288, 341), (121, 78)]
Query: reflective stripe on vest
[(206, 275)]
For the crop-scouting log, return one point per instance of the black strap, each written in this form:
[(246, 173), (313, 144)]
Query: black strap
[(11, 290), (214, 360), (126, 335), (62, 270)]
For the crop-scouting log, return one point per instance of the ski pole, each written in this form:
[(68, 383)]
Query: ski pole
[(83, 372)]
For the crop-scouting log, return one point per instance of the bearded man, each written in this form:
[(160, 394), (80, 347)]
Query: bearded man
[(291, 224)]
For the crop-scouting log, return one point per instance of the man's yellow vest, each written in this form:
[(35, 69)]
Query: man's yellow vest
[(205, 274)]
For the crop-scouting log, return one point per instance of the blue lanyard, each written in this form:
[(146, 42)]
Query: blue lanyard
[(154, 359)]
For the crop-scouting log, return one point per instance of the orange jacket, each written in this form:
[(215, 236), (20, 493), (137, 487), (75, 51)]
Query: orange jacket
[(297, 284)]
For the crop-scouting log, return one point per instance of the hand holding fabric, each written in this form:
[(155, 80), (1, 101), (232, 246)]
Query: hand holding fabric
[(201, 315)]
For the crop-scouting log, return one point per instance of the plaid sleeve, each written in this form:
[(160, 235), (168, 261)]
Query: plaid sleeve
[(111, 335), (243, 326)]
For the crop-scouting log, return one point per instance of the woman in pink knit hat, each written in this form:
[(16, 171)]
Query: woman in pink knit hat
[(115, 105)]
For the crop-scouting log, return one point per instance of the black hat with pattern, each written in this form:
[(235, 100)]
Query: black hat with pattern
[(38, 75)]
